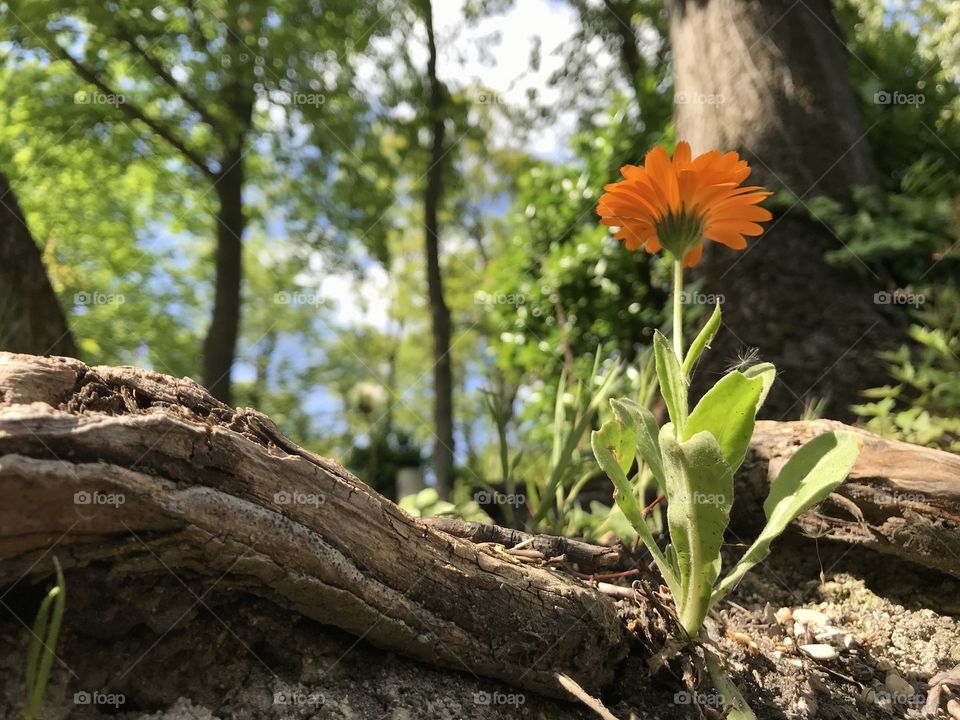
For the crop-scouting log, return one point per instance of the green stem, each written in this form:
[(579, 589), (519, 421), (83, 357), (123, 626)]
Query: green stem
[(678, 310)]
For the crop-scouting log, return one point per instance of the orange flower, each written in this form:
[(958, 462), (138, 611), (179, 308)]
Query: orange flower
[(675, 204)]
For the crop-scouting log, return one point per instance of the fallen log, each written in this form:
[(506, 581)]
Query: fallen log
[(147, 473), (900, 499), (142, 473)]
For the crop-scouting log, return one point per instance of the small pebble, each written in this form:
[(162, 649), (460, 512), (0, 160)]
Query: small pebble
[(828, 634), (897, 685), (783, 615), (819, 651), (810, 617), (849, 641), (769, 616), (798, 629), (788, 642), (953, 709), (807, 705)]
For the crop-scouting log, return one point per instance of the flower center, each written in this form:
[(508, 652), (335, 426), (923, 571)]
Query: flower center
[(679, 231)]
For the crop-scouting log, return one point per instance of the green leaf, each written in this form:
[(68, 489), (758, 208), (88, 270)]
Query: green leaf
[(813, 472), (699, 496), (644, 427), (733, 701), (728, 411), (767, 373), (703, 339), (609, 445), (43, 643), (673, 384)]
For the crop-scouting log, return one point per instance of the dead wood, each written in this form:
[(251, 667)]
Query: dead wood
[(900, 499), (147, 473)]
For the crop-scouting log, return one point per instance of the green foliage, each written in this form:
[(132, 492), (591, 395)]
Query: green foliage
[(427, 503), (923, 404), (907, 236), (554, 498), (812, 473), (700, 451), (727, 412), (699, 483), (907, 84), (43, 643)]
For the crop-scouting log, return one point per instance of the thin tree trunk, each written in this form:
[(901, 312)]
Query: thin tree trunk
[(220, 345), (439, 312), (770, 79), (31, 319)]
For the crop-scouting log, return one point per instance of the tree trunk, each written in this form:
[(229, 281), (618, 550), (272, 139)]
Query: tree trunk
[(439, 312), (770, 79), (219, 347), (126, 469), (31, 319)]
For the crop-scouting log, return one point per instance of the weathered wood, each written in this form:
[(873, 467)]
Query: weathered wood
[(143, 473), (587, 558), (900, 499), (150, 473)]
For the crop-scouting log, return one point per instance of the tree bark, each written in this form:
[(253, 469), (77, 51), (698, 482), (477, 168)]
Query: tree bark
[(131, 474), (770, 79), (31, 319), (135, 471), (443, 446)]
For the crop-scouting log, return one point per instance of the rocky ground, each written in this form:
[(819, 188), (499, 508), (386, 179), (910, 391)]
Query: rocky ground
[(819, 631)]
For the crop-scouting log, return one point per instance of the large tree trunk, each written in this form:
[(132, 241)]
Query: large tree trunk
[(31, 319), (770, 79), (220, 344), (439, 312), (142, 474)]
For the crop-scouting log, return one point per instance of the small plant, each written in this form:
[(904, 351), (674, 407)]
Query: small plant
[(40, 654), (673, 205), (923, 406)]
